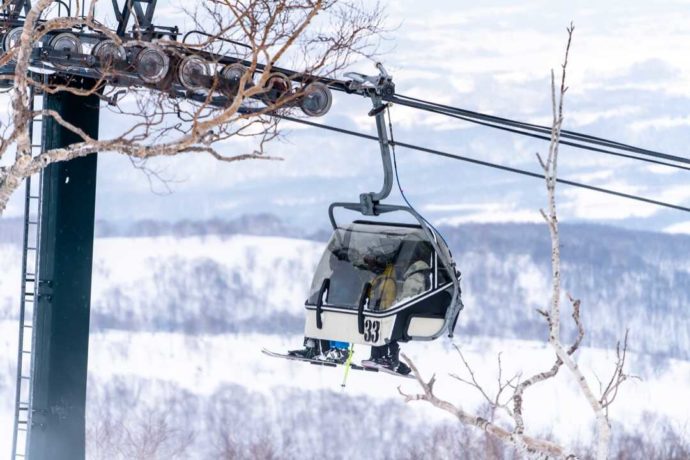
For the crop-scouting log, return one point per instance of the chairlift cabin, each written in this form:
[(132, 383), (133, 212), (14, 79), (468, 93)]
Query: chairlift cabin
[(379, 282), (383, 281)]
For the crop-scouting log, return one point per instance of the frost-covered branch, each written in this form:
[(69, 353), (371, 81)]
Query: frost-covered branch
[(516, 437), (526, 444)]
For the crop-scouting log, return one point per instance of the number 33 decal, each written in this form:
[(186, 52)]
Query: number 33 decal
[(372, 330)]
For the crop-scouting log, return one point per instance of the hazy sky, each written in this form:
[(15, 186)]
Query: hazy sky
[(629, 80)]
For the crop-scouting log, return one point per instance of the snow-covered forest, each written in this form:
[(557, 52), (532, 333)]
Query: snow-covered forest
[(181, 312)]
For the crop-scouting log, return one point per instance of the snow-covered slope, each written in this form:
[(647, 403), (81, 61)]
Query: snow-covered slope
[(199, 366), (237, 283), (195, 382), (202, 284), (179, 323), (626, 280)]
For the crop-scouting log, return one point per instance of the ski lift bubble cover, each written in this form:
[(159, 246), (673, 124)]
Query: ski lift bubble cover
[(378, 282)]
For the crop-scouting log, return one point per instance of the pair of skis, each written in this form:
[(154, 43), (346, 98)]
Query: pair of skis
[(367, 366)]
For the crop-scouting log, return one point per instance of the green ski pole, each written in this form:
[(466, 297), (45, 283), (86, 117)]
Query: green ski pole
[(348, 363)]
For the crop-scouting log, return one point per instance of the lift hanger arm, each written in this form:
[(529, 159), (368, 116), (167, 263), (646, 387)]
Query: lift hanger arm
[(369, 201), (382, 88)]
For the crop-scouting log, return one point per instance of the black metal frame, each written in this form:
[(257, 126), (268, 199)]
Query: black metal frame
[(14, 7), (143, 26), (380, 87)]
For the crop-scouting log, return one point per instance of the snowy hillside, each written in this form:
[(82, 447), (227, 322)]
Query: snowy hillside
[(180, 317), (625, 279), (232, 283), (245, 283), (202, 284), (229, 282), (207, 386), (634, 280)]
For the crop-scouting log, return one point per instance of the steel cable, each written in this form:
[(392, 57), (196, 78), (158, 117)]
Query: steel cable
[(511, 169)]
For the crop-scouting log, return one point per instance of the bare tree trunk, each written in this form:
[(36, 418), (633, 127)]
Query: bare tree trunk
[(526, 445), (553, 317)]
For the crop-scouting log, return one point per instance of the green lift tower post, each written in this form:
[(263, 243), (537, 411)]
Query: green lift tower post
[(53, 417), (63, 305)]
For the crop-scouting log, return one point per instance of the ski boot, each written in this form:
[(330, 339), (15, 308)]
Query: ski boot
[(337, 355), (387, 364), (311, 350)]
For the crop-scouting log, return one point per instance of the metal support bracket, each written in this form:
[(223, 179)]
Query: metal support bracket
[(379, 88), (13, 8), (143, 20), (381, 85)]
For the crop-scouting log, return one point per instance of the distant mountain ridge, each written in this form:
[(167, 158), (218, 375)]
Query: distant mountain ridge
[(248, 224), (215, 279), (263, 224)]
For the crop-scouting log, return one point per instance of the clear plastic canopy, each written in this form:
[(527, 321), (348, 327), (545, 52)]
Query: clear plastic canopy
[(396, 260)]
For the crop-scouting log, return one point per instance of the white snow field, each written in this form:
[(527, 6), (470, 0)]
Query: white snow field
[(157, 302), (202, 364)]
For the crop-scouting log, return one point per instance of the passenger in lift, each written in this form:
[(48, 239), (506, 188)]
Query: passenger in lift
[(383, 294)]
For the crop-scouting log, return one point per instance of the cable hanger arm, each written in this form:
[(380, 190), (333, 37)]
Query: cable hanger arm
[(382, 88), (369, 200)]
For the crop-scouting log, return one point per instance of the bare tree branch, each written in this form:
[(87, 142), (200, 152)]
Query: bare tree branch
[(526, 445), (319, 37)]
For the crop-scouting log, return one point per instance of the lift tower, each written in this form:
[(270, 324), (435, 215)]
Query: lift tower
[(54, 331), (50, 402), (62, 312)]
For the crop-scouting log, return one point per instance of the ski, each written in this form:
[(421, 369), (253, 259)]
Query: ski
[(318, 362), (371, 365), (321, 362)]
